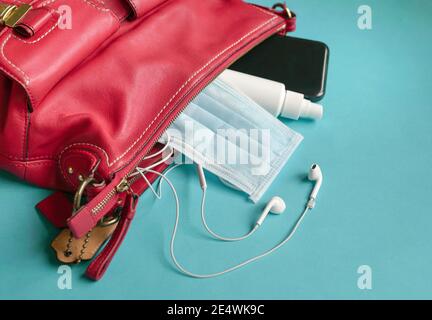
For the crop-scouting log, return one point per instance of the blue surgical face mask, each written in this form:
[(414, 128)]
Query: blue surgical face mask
[(234, 138)]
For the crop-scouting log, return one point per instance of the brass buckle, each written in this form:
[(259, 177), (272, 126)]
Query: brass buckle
[(10, 14), (77, 203), (284, 7)]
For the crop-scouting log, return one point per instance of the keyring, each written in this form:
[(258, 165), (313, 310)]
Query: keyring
[(284, 7), (80, 192), (104, 222)]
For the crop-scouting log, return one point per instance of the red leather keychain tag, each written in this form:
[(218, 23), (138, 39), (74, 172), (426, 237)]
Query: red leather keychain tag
[(57, 208)]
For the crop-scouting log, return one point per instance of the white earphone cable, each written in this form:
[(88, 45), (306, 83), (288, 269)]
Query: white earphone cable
[(214, 234), (140, 171), (158, 195), (203, 276)]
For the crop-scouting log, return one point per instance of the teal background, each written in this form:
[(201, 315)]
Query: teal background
[(374, 146)]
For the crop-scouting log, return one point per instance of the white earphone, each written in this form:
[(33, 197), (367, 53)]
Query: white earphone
[(315, 174), (276, 205)]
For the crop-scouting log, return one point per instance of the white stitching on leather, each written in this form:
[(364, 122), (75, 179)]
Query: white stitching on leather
[(267, 12), (16, 158), (85, 144), (184, 84), (96, 7), (39, 163), (74, 145), (40, 38), (173, 97), (83, 152), (26, 78), (12, 76), (178, 91), (17, 80), (56, 24), (45, 3)]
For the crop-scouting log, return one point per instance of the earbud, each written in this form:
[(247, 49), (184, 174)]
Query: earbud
[(315, 174), (276, 205)]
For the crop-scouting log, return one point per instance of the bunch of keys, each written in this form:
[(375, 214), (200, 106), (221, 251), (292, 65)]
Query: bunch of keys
[(71, 250)]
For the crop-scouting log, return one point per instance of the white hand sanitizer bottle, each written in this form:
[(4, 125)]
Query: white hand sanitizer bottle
[(272, 96)]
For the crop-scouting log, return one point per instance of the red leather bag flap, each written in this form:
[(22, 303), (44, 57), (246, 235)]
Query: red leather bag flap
[(39, 62)]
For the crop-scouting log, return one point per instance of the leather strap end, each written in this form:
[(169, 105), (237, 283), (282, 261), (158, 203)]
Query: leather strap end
[(34, 21), (100, 264), (291, 24), (57, 209)]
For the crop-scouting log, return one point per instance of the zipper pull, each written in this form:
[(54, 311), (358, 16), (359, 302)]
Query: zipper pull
[(123, 186), (88, 216)]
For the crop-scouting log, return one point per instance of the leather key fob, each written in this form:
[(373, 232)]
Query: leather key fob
[(72, 250)]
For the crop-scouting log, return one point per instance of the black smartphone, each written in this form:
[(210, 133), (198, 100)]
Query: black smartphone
[(298, 63)]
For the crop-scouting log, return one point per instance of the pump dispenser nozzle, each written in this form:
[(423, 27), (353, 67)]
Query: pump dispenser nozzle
[(295, 106)]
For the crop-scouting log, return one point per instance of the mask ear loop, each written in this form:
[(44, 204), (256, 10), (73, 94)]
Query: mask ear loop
[(238, 266), (158, 191), (167, 146), (141, 171)]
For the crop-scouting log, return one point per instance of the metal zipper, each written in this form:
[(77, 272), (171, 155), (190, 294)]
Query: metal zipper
[(125, 183)]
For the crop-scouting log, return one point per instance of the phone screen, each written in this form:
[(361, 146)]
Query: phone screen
[(298, 63)]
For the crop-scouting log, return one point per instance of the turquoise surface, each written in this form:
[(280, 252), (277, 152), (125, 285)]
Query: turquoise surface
[(374, 146)]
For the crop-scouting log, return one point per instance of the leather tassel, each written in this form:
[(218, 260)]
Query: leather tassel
[(100, 264)]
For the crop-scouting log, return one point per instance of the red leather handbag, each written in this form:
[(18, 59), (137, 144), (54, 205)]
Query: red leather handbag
[(82, 106)]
